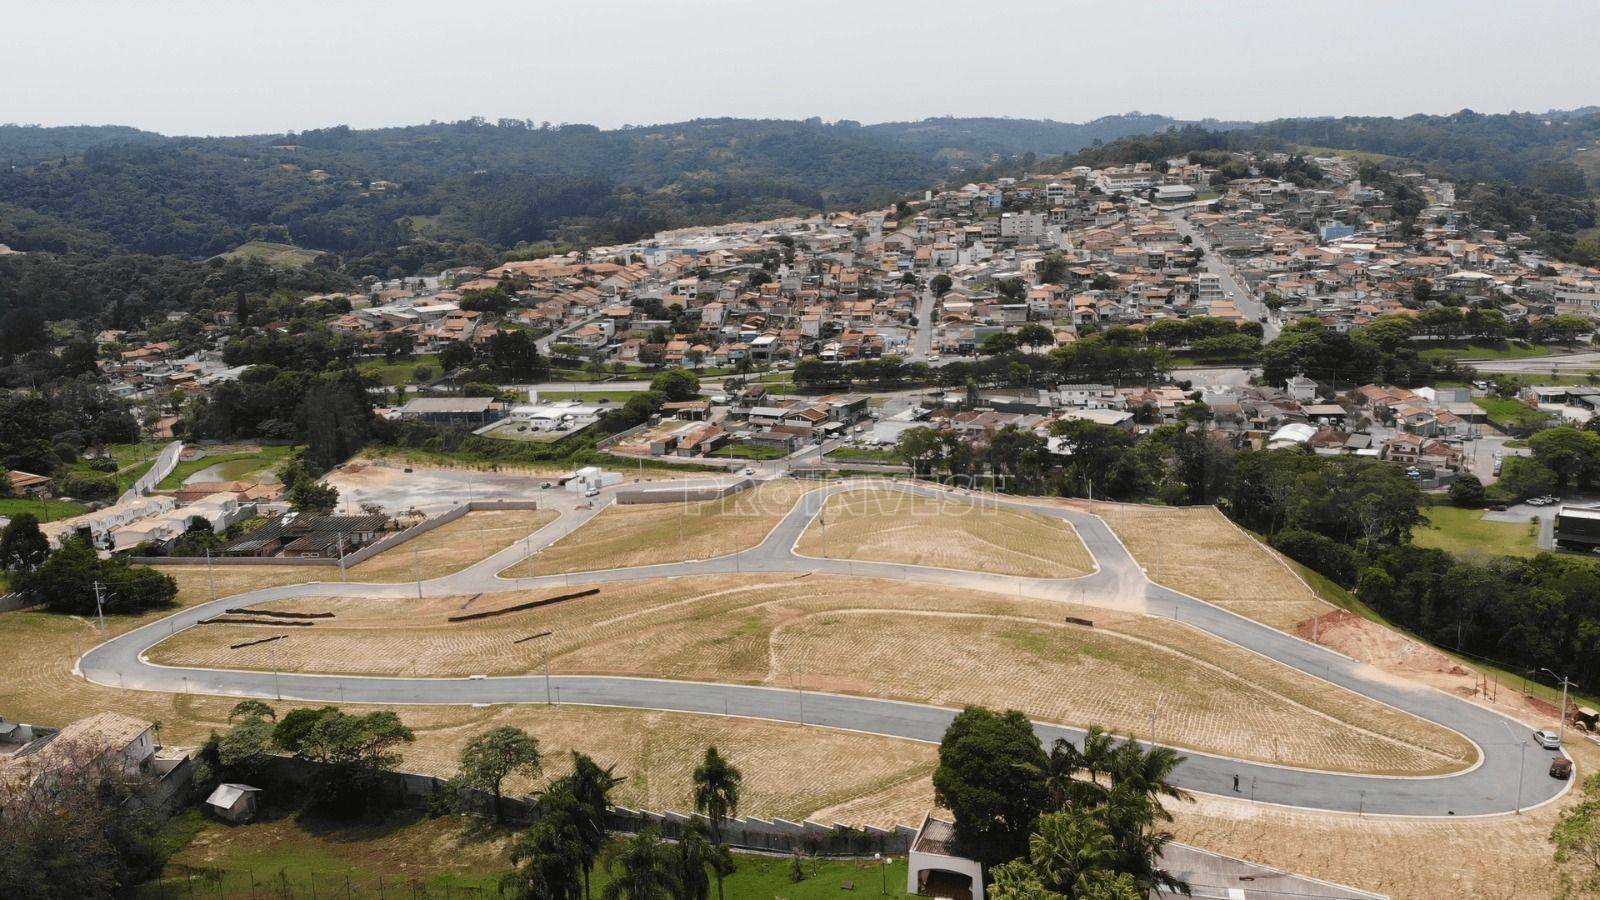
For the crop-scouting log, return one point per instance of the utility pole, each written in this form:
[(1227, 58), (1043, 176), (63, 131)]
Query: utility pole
[(416, 569), (99, 604), (211, 574), (341, 559)]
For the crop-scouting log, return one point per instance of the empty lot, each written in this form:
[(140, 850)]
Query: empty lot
[(885, 639), (1196, 550), (652, 533), (882, 525)]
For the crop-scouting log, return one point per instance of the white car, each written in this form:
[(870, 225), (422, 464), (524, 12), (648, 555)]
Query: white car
[(1549, 740), (749, 470)]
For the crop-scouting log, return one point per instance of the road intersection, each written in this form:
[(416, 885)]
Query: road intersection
[(1507, 776)]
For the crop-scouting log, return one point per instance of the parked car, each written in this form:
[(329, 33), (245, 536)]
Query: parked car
[(1549, 740), (1561, 768), (749, 470)]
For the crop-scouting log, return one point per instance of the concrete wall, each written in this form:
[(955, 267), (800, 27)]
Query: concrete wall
[(166, 461), (350, 559), (414, 791), (647, 493)]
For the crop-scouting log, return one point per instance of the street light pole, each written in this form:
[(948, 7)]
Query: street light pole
[(1561, 722), (1520, 771)]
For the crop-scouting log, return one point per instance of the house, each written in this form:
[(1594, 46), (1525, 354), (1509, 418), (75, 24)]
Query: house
[(458, 411), (27, 484), (121, 743), (235, 803), (934, 870)]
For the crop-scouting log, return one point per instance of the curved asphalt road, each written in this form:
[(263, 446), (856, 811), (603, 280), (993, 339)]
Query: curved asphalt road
[(1511, 772)]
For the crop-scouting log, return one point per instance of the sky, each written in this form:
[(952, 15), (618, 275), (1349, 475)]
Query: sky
[(237, 67)]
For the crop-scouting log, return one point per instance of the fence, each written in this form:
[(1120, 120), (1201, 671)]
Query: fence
[(410, 790), (166, 461), (350, 559)]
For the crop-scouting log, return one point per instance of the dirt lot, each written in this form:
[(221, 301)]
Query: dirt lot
[(433, 489), (789, 770), (647, 534), (1196, 550), (950, 532), (854, 636)]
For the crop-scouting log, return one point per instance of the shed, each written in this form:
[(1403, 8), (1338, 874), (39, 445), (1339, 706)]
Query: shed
[(234, 803)]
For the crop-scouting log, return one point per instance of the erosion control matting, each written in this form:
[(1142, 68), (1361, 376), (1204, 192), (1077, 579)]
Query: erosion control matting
[(532, 604)]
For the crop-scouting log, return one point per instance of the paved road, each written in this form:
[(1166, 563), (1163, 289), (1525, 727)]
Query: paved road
[(1493, 786), (1213, 262)]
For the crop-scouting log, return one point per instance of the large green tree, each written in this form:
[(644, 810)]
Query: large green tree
[(991, 775)]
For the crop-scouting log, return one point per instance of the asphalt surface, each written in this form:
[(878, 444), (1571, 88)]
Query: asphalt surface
[(1510, 774)]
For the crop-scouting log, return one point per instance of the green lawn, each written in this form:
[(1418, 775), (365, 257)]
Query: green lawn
[(1511, 413), (749, 451), (1457, 530), (234, 465), (618, 397), (865, 455), (410, 856), (1436, 350), (273, 253), (46, 510), (392, 374), (133, 460)]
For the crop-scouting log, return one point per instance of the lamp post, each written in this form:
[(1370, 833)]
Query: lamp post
[(1520, 772), (1561, 722)]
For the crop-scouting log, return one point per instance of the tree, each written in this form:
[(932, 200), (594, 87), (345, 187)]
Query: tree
[(1035, 335), (351, 750), (490, 758), (309, 495), (244, 751), (918, 446), (590, 786), (677, 385), (641, 868), (1521, 477), (991, 775), (1466, 490), (65, 582), (88, 830), (940, 284), (23, 547), (1571, 454), (716, 796), (550, 859), (694, 855)]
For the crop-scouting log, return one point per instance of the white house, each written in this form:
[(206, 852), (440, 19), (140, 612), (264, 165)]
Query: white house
[(933, 870)]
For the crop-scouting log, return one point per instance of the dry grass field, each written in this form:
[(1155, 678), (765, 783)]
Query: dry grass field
[(790, 771), (883, 525), (649, 534), (858, 636), (1196, 550)]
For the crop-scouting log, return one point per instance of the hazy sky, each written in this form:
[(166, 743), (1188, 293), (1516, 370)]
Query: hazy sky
[(231, 66)]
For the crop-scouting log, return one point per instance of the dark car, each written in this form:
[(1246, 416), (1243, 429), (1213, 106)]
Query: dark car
[(1561, 768)]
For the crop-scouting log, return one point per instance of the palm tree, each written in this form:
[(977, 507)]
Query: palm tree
[(590, 786), (1067, 763), (694, 855), (1068, 845), (641, 868), (549, 857), (716, 796)]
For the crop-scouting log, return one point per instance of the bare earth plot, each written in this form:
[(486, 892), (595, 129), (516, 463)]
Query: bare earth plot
[(883, 525), (453, 546), (789, 770), (649, 534), (1196, 550), (885, 639)]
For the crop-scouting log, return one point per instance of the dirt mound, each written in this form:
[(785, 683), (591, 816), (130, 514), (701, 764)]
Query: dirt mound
[(1371, 643)]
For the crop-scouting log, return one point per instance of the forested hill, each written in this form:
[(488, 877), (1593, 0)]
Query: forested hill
[(358, 191)]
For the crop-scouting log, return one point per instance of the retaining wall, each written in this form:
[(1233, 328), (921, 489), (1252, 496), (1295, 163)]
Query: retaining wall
[(414, 791), (681, 494)]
